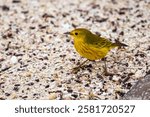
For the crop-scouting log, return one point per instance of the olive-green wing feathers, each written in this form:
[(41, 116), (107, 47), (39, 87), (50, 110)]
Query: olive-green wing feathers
[(99, 42)]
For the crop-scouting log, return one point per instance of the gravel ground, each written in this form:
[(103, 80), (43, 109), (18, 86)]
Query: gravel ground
[(36, 57), (140, 91)]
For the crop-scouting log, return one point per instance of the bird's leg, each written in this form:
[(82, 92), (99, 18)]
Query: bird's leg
[(106, 73), (75, 69)]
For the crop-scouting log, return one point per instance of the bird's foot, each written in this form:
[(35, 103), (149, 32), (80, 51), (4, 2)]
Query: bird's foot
[(106, 73), (75, 70)]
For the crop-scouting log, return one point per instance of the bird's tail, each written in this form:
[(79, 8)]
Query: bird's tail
[(119, 44)]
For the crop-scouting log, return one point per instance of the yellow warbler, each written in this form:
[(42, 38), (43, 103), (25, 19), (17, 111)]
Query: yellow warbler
[(92, 46)]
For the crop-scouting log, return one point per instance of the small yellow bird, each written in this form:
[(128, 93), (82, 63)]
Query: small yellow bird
[(91, 46)]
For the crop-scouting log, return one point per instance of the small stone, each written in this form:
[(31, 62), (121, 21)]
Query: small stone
[(5, 8), (52, 96), (66, 26), (115, 78), (138, 73), (14, 60)]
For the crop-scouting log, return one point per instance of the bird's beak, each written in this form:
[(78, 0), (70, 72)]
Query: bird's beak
[(68, 33)]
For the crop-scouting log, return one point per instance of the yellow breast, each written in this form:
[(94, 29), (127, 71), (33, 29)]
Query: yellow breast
[(88, 51)]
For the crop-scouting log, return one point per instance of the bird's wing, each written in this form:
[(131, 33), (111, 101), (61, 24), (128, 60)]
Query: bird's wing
[(100, 42)]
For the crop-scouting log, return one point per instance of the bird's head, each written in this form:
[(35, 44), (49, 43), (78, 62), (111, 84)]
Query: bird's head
[(79, 33)]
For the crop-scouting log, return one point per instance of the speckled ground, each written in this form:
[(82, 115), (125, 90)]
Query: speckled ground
[(36, 57)]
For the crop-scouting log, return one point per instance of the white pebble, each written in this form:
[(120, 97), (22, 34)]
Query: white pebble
[(52, 96), (115, 78), (13, 60), (66, 26), (138, 73)]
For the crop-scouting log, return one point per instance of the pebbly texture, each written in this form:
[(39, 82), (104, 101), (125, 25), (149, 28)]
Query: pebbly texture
[(36, 57), (140, 91)]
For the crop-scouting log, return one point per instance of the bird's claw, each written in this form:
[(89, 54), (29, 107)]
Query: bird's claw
[(106, 73), (75, 70)]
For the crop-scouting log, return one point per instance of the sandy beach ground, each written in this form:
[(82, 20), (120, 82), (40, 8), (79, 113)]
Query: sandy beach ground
[(36, 56)]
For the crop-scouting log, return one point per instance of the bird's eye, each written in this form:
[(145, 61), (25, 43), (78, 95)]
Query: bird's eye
[(76, 33)]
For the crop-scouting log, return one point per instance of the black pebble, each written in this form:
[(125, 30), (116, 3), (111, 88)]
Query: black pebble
[(16, 88), (67, 40), (122, 33), (16, 1), (87, 85), (5, 8), (37, 80), (69, 90), (74, 95), (7, 94), (47, 86)]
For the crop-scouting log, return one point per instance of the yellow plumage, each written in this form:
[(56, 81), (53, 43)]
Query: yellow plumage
[(89, 45)]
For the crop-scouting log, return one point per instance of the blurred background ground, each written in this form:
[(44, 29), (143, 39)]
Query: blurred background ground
[(36, 57)]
